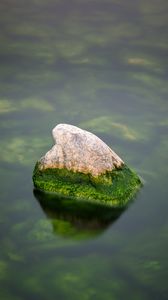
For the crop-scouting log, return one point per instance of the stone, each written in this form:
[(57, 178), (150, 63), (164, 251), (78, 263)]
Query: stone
[(81, 166), (79, 151)]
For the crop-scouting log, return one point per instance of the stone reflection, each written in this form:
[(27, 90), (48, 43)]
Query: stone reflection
[(76, 219)]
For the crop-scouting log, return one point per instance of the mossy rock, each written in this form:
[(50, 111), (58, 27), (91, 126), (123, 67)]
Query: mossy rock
[(115, 188), (79, 220)]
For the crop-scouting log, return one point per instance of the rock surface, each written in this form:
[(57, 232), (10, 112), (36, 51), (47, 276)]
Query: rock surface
[(82, 167), (79, 151)]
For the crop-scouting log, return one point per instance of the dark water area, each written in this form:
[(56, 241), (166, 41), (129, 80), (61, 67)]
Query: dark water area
[(100, 65)]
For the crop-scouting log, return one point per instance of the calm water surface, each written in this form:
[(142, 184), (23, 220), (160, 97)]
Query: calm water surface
[(100, 65)]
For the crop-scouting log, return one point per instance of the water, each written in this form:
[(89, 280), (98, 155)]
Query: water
[(100, 65)]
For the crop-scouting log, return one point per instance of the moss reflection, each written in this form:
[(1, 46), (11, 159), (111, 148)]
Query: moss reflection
[(76, 219)]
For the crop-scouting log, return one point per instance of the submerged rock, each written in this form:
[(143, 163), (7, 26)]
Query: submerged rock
[(82, 166)]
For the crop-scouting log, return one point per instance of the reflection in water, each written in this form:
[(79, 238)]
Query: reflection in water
[(102, 66), (78, 219)]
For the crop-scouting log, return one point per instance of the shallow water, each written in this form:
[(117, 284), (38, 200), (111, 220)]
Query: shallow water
[(101, 66)]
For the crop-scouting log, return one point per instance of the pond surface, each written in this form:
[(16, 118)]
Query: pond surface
[(100, 65)]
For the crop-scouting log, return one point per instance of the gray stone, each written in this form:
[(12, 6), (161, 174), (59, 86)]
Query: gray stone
[(80, 151)]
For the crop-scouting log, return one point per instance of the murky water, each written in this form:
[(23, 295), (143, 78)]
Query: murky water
[(100, 65)]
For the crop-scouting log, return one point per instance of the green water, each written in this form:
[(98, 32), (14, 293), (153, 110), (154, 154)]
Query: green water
[(100, 65)]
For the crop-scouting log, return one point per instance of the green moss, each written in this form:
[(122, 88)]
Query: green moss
[(79, 220), (114, 188)]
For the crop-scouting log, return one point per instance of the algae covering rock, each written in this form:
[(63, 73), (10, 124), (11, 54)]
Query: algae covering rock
[(81, 166)]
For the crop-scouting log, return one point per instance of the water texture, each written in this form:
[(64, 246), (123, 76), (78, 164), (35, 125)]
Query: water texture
[(102, 66)]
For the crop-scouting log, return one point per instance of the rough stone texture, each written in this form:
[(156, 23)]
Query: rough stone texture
[(79, 151), (82, 167)]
